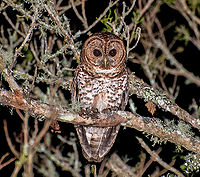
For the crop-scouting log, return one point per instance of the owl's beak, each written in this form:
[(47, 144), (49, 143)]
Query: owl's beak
[(105, 62)]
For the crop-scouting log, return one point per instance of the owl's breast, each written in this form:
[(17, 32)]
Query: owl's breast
[(101, 93)]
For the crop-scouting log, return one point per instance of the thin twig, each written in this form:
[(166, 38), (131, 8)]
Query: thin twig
[(27, 38), (11, 146), (13, 26), (130, 9), (158, 159), (77, 13), (145, 8), (174, 61), (84, 14), (100, 17), (2, 165), (150, 161), (69, 40)]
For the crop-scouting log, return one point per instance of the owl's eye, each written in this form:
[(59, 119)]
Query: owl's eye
[(97, 52), (113, 52)]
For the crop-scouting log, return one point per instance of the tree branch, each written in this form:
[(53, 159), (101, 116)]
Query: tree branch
[(149, 125), (158, 159), (143, 90)]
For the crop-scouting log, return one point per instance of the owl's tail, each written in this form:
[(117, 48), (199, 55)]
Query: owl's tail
[(96, 141)]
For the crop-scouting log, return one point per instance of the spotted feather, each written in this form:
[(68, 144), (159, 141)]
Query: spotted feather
[(100, 83)]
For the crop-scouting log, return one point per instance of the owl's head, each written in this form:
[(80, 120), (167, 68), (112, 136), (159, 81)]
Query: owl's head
[(104, 52)]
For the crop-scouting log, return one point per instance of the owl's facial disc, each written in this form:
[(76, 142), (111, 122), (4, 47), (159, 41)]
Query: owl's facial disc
[(103, 53), (111, 55)]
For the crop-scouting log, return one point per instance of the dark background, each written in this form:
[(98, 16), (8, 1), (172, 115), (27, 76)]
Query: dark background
[(126, 144)]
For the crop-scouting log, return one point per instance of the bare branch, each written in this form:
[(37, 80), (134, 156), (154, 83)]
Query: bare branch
[(119, 167), (158, 159), (27, 38), (111, 4), (69, 40), (179, 66), (2, 165), (12, 148)]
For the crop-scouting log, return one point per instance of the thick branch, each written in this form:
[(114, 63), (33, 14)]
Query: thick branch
[(149, 125), (143, 90), (63, 114), (153, 126)]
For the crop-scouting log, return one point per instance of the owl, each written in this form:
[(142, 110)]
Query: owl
[(100, 84)]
